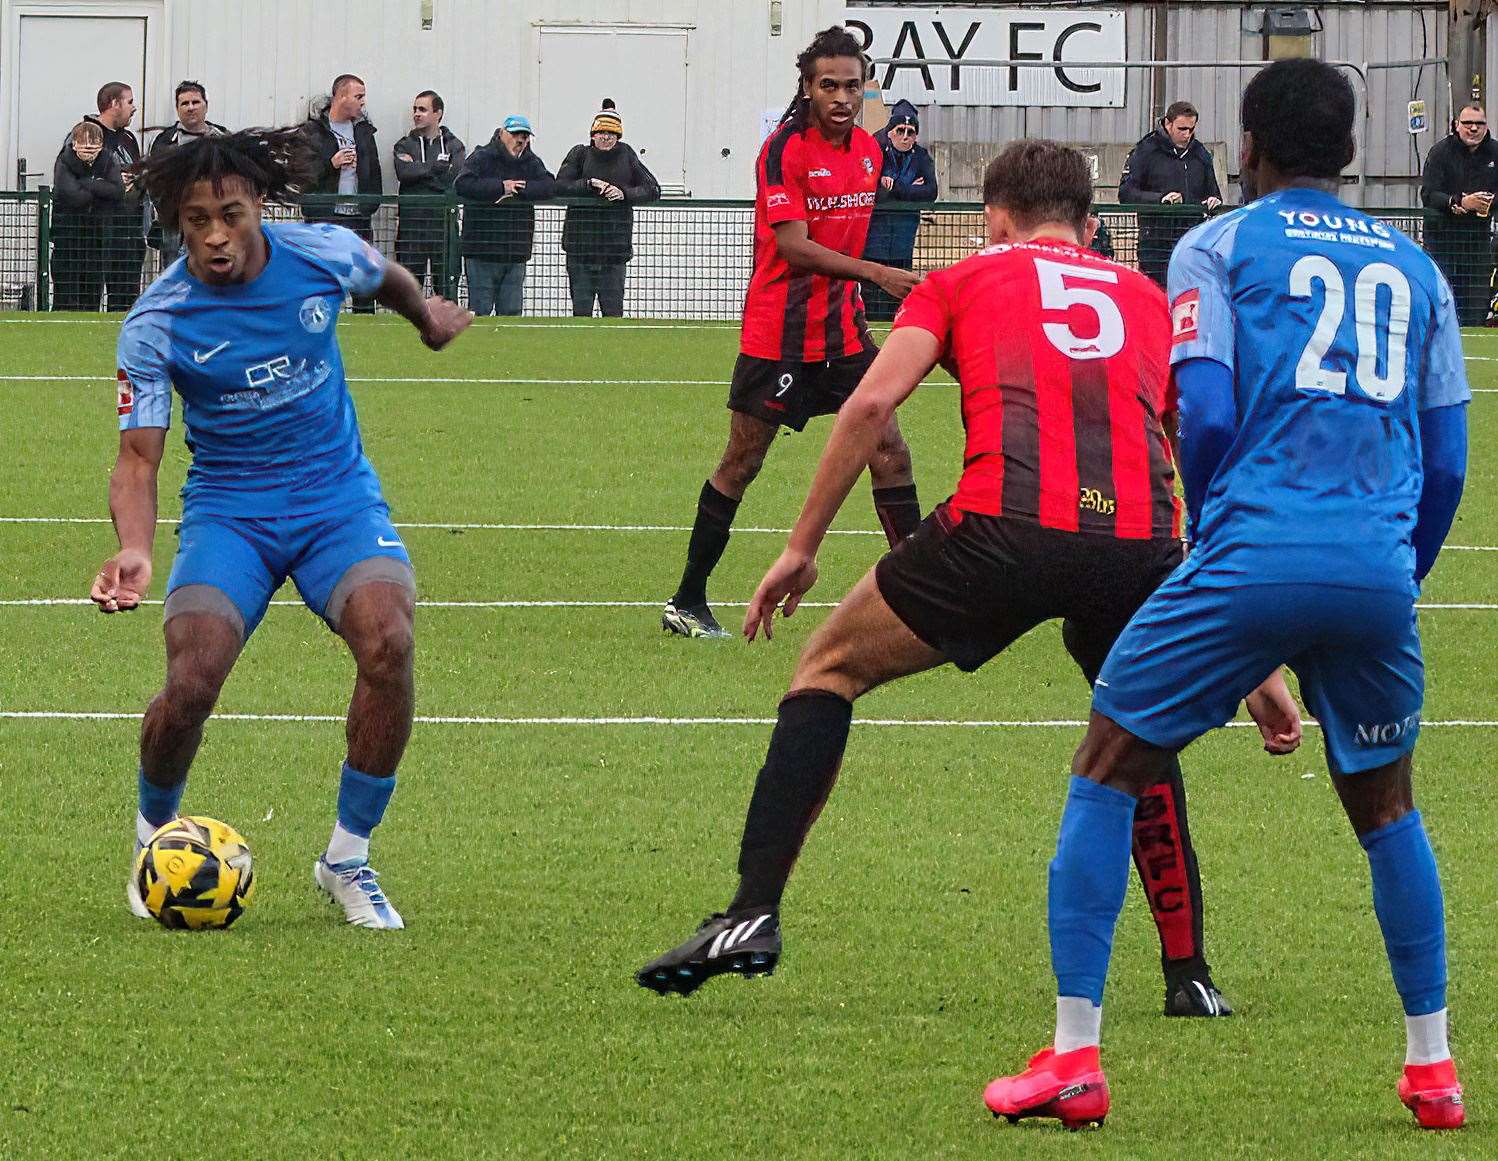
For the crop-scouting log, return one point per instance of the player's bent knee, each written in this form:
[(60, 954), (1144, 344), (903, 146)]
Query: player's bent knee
[(377, 570), (1114, 756), (203, 599)]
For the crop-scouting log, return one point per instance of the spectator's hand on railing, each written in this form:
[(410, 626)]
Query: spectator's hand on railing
[(606, 189), (887, 182), (896, 283), (1211, 203), (445, 320), (1171, 199), (513, 185)]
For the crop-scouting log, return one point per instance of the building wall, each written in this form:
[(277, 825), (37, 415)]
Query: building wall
[(1218, 32), (264, 60)]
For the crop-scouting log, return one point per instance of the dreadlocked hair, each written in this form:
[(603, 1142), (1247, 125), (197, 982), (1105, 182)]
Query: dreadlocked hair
[(277, 164), (834, 41)]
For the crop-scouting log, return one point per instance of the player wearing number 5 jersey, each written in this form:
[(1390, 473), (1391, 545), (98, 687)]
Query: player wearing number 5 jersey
[(1323, 447), (1065, 511)]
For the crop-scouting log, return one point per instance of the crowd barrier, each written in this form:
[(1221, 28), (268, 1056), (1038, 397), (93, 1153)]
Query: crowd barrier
[(681, 259)]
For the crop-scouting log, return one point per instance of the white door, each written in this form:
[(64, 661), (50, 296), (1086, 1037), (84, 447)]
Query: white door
[(61, 64), (643, 69)]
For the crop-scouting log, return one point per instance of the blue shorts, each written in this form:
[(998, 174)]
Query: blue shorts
[(247, 560), (1193, 652)]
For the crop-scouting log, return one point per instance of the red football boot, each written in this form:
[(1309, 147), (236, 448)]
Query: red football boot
[(1070, 1087), (1433, 1094)]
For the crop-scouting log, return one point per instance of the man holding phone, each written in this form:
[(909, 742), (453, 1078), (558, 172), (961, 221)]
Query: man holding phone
[(1457, 188), (345, 140)]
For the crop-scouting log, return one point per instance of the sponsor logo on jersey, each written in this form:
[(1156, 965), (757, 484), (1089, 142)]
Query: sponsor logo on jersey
[(125, 393), (819, 172), (315, 314), (868, 164), (1183, 317), (845, 201), (777, 199), (1094, 501)]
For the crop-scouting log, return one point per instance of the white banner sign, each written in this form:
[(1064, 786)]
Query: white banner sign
[(1011, 34)]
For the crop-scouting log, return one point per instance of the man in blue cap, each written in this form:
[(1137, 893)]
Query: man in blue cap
[(498, 186), (909, 175)]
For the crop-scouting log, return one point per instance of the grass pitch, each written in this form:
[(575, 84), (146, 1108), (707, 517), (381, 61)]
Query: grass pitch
[(539, 863)]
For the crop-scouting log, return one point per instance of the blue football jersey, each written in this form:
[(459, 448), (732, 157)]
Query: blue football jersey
[(1339, 332), (268, 416)]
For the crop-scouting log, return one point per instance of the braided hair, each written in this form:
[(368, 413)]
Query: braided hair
[(277, 164), (834, 41)]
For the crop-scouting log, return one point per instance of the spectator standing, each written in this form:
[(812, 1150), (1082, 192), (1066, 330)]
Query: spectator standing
[(87, 193), (426, 161), (1168, 167), (345, 140), (599, 239), (908, 176), (192, 122), (499, 185), (1457, 188), (122, 230)]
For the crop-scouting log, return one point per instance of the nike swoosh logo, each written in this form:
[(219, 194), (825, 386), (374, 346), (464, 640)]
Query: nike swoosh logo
[(201, 357), (383, 543)]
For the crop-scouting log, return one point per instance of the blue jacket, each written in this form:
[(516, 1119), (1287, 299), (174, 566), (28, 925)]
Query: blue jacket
[(892, 230)]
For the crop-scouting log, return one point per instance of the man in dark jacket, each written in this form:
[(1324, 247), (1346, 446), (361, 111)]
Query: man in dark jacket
[(426, 161), (87, 194), (499, 185), (599, 239), (122, 230), (1457, 188), (192, 122), (909, 175), (1169, 167), (345, 140)]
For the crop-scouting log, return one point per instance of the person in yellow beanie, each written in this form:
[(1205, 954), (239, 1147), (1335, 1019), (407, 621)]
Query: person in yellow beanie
[(607, 179)]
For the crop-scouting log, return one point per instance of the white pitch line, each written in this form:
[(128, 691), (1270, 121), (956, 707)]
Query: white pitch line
[(562, 603), (474, 720)]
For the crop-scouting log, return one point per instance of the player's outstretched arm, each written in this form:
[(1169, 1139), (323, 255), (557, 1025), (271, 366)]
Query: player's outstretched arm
[(797, 248), (126, 576), (905, 359), (438, 320)]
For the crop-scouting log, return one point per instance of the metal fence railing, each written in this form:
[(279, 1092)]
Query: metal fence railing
[(680, 259)]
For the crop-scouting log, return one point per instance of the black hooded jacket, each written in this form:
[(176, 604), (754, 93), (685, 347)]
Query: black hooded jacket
[(367, 168), (603, 233), (500, 227), (1452, 171)]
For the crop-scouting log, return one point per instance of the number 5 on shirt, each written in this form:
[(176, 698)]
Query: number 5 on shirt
[(1057, 294)]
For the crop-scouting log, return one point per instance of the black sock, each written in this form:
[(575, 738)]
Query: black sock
[(1166, 862), (899, 511), (806, 751), (715, 513)]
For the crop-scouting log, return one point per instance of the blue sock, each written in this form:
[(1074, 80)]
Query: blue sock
[(1407, 900), (362, 799), (1089, 876), (158, 804)]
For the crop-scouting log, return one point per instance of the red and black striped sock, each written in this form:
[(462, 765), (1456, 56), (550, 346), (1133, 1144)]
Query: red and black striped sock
[(1167, 867)]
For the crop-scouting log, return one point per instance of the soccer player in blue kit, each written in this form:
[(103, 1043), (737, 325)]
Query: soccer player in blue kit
[(243, 328), (1323, 451)]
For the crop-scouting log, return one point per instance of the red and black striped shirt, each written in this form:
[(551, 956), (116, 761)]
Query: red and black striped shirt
[(1064, 363), (793, 315)]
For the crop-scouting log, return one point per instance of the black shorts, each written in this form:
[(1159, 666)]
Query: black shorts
[(971, 585), (790, 392)]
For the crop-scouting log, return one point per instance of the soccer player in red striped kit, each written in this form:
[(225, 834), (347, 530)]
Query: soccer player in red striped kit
[(804, 344), (1066, 509)]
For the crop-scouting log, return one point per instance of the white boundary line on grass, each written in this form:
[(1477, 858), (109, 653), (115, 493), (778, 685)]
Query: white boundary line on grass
[(562, 603), (482, 526), (475, 720)]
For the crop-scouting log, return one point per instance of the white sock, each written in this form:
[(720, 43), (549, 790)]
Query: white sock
[(1425, 1039), (345, 846), (1079, 1024), (143, 830)]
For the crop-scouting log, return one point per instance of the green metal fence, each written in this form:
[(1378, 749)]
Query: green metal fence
[(681, 259)]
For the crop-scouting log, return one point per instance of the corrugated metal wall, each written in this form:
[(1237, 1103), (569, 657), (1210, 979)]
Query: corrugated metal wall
[(263, 59), (1208, 31)]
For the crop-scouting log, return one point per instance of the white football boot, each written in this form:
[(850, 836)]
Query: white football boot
[(357, 887)]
